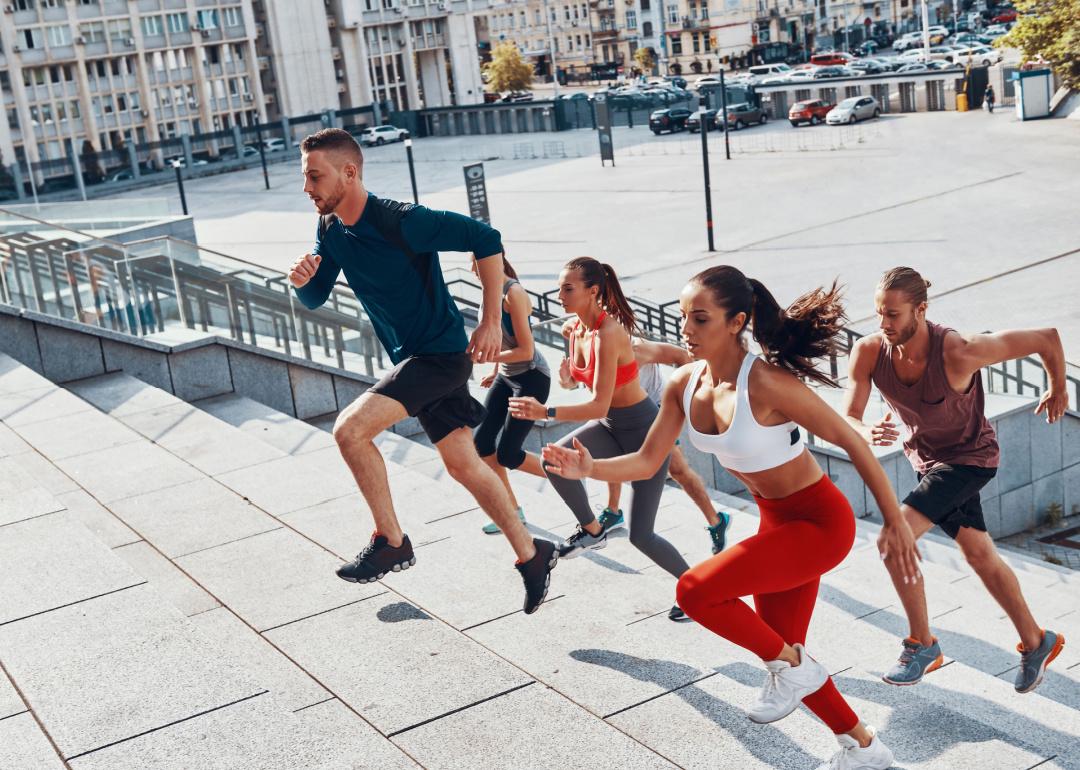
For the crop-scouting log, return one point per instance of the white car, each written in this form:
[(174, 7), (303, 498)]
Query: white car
[(852, 110), (707, 80), (380, 135), (979, 55)]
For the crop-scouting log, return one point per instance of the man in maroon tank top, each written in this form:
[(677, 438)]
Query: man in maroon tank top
[(930, 377)]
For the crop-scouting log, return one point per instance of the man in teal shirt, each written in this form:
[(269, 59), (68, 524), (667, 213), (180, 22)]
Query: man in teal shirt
[(388, 253)]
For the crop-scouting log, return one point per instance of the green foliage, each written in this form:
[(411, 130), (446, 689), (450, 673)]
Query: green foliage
[(644, 59), (507, 71), (1054, 514), (1049, 29)]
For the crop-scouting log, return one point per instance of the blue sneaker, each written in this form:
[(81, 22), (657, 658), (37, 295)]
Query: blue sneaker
[(915, 662), (491, 528), (718, 534), (1034, 663), (610, 519)]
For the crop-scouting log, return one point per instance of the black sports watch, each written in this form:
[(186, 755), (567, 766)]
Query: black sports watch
[(551, 412)]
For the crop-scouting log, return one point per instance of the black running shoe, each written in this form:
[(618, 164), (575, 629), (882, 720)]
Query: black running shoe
[(676, 614), (536, 574), (377, 559)]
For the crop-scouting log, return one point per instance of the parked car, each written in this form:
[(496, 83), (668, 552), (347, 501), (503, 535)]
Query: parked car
[(996, 30), (122, 175), (181, 161), (765, 70), (249, 150), (518, 96), (694, 122), (576, 96), (833, 72), (490, 97), (867, 66), (979, 55), (675, 80), (831, 58), (1005, 16), (915, 66), (867, 48), (380, 135), (706, 81), (812, 112), (741, 115), (852, 110), (673, 119), (274, 144), (907, 41)]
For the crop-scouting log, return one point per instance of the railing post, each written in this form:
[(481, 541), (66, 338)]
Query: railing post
[(181, 301)]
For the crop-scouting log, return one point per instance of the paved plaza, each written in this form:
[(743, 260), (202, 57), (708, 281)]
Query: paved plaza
[(984, 206)]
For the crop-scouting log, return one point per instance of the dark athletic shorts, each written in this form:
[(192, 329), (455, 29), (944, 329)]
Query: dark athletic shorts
[(948, 495), (435, 389)]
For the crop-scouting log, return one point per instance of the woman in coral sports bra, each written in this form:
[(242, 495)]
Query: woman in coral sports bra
[(744, 410), (618, 416)]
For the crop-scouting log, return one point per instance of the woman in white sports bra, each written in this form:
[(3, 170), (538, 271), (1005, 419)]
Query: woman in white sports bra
[(747, 412)]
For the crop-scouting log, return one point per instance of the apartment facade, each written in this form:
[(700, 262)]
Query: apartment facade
[(113, 72)]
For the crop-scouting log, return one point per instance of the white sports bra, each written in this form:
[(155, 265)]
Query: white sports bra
[(746, 446)]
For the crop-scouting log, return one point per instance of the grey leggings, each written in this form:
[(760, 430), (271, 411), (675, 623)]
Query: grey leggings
[(623, 431)]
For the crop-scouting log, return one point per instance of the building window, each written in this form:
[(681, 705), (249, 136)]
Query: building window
[(59, 35), (119, 29), (673, 14), (645, 5), (233, 17), (31, 38), (704, 11), (24, 5), (208, 19), (177, 22), (697, 42), (151, 26), (646, 29), (92, 32), (631, 20), (676, 45)]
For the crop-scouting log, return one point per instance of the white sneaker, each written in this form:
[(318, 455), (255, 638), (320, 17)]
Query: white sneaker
[(851, 756), (787, 686)]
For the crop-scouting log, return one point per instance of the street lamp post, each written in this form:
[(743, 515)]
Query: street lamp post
[(412, 170), (551, 52), (177, 165), (705, 169), (723, 115)]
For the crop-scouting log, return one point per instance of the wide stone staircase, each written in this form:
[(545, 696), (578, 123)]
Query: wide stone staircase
[(168, 601)]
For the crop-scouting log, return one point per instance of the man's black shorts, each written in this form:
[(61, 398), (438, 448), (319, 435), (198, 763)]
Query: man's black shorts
[(435, 389), (948, 495)]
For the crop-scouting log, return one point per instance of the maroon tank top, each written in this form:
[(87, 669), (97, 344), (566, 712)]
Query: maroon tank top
[(946, 426)]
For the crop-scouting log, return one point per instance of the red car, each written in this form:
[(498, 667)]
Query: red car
[(831, 59), (1004, 16), (812, 112)]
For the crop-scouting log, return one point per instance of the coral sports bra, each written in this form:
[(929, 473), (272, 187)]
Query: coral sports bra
[(746, 446), (584, 374)]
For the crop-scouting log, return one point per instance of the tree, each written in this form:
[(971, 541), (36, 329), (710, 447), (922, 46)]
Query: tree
[(507, 71), (644, 59), (1049, 29)]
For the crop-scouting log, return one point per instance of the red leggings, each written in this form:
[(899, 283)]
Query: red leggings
[(800, 537)]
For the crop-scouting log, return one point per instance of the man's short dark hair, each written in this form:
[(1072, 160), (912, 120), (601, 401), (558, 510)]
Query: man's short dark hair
[(334, 140)]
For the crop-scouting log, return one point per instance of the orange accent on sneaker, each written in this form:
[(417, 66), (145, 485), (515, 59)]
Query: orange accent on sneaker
[(1058, 646), (935, 665)]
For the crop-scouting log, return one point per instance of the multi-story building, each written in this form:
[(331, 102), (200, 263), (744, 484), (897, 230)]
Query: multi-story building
[(542, 30), (702, 35), (414, 54), (297, 62), (112, 72)]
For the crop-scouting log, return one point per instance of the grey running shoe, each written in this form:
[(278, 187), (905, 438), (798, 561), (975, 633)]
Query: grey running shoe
[(580, 541), (1034, 663), (916, 661), (676, 614)]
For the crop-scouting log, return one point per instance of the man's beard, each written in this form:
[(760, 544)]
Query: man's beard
[(327, 205), (907, 333)]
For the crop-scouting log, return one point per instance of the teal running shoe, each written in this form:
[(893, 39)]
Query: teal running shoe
[(491, 528), (718, 534), (1034, 663), (610, 519), (916, 661)]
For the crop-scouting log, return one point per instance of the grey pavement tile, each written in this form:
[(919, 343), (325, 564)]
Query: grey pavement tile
[(149, 669), (16, 377), (11, 443), (287, 484), (76, 434), (45, 474), (274, 578), (342, 525), (51, 561), (191, 434), (403, 451), (253, 734), (280, 430), (289, 686), (23, 745), (29, 406), (99, 520), (533, 726), (120, 394), (428, 658), (704, 725), (127, 470), (170, 583), (10, 702), (192, 516), (21, 497)]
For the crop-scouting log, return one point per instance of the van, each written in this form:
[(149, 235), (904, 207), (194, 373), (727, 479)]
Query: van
[(761, 70)]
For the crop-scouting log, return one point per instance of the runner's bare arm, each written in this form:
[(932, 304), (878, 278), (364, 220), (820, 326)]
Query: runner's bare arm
[(649, 352), (857, 394)]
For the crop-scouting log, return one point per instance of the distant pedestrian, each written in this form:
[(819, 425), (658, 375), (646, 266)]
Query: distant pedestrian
[(990, 99)]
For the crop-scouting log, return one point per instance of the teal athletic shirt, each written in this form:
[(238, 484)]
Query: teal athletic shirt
[(411, 315)]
